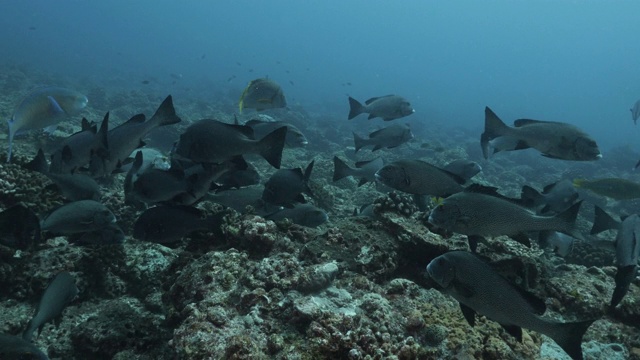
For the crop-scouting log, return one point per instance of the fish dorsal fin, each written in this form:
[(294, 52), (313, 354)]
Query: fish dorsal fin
[(603, 221), (547, 189), (308, 170), (376, 98), (136, 119), (86, 125)]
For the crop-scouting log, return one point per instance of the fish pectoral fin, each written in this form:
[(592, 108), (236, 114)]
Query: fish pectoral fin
[(513, 330), (469, 314), (463, 289)]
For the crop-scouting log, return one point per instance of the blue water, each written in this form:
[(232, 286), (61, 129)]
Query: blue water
[(572, 61)]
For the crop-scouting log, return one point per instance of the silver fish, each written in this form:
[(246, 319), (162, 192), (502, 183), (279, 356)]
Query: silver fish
[(388, 107)]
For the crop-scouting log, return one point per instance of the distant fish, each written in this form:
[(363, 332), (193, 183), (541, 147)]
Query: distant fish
[(635, 112), (555, 198), (627, 249), (466, 169), (166, 224), (212, 141), (553, 139), (389, 137), (419, 178), (614, 188), (364, 170), (78, 217), (285, 186), (60, 292), (301, 214), (387, 107), (16, 348), (480, 212), (480, 289), (295, 138), (262, 94), (42, 108), (145, 82)]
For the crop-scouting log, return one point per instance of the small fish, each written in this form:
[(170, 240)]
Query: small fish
[(240, 199), (614, 188), (19, 227), (389, 137), (145, 82), (78, 217), (235, 179), (419, 178), (166, 224), (16, 348), (387, 107), (295, 138), (554, 140), (562, 244), (44, 107), (73, 187), (635, 111), (125, 138), (479, 289), (627, 249), (466, 169), (59, 293), (554, 198), (286, 186), (364, 170), (212, 141), (480, 212), (301, 214), (262, 94)]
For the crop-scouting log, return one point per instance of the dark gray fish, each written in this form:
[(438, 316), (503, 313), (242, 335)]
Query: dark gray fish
[(16, 348), (75, 151), (285, 186), (364, 170), (125, 138), (627, 249), (236, 178), (212, 141), (466, 169), (19, 227), (301, 214), (73, 186), (387, 107), (419, 178), (479, 212), (110, 235), (262, 94), (60, 292), (554, 198), (635, 111), (42, 108), (166, 224), (479, 289), (78, 217), (239, 199), (389, 137), (295, 138), (555, 140)]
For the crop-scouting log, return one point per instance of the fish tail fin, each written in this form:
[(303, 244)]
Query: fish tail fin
[(355, 108), (271, 146), (602, 221), (569, 336), (493, 128), (340, 169), (531, 197), (166, 113), (308, 170), (568, 219), (624, 277), (359, 142)]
